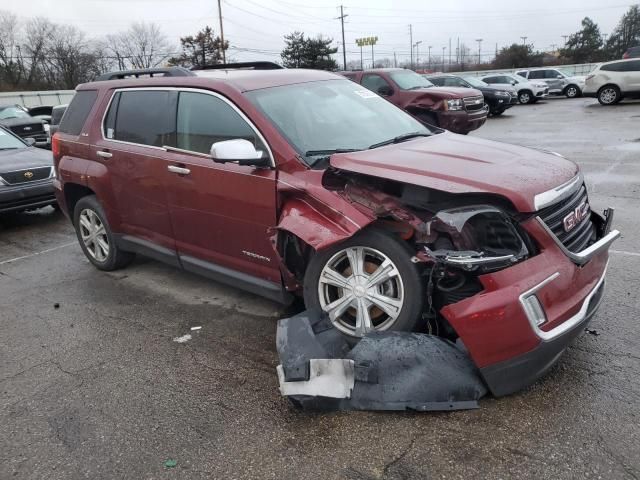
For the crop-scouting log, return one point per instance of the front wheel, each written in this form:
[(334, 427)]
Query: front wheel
[(525, 97), (95, 236), (367, 283), (571, 91)]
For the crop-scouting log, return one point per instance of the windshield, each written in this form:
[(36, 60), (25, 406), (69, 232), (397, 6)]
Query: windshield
[(515, 78), (9, 142), (409, 80), (319, 117), (475, 82), (12, 112)]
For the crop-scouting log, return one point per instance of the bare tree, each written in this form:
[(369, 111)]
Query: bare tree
[(143, 45), (38, 32), (69, 58), (11, 62)]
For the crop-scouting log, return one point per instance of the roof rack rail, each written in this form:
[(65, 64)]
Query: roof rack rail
[(152, 72), (241, 65)]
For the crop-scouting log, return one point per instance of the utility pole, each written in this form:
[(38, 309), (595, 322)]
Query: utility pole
[(479, 40), (553, 47), (417, 45), (224, 57), (524, 40), (458, 52), (449, 53), (565, 39), (443, 58), (395, 61), (344, 45), (430, 47), (411, 43)]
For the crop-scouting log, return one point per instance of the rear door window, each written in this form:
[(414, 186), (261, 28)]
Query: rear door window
[(494, 80), (633, 66), (78, 111), (536, 74), (612, 67), (205, 119), (145, 117)]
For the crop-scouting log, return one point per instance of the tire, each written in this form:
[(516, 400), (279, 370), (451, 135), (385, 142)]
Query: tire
[(401, 292), (497, 113), (526, 97), (572, 91), (95, 236), (609, 95)]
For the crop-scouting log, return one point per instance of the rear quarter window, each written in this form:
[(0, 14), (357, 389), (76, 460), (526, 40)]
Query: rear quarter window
[(76, 114)]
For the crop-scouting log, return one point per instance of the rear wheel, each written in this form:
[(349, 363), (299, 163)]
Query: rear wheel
[(95, 236), (609, 94), (367, 283)]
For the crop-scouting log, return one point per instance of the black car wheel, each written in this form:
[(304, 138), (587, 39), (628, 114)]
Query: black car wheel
[(367, 283), (571, 91), (95, 236), (525, 97), (609, 95)]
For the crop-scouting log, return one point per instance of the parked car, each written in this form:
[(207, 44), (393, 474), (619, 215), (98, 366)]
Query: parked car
[(528, 91), (632, 52), (559, 81), (497, 99), (18, 120), (298, 182), (56, 116), (26, 174), (456, 109), (43, 112), (610, 82)]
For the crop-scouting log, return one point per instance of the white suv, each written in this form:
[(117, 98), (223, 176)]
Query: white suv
[(528, 92), (612, 81), (559, 82)]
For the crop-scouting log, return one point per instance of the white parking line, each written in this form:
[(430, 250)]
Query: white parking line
[(3, 262), (624, 252)]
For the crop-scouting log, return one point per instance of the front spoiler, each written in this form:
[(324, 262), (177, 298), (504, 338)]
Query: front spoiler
[(384, 371)]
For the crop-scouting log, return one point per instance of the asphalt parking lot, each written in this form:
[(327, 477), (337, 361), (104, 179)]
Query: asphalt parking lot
[(93, 385)]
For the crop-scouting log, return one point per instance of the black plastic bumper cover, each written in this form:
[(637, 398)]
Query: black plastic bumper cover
[(383, 371)]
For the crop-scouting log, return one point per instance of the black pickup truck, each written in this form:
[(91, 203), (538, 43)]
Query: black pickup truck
[(18, 120)]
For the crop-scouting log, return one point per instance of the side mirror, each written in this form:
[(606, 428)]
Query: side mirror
[(240, 151), (385, 91), (514, 83), (559, 76), (30, 141)]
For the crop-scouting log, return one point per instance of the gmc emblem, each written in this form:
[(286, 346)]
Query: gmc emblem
[(576, 216)]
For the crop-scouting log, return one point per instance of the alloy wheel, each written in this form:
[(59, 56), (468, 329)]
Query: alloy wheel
[(94, 235), (608, 95), (361, 290), (572, 92), (524, 98)]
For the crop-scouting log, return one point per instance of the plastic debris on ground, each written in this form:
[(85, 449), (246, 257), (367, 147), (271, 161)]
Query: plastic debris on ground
[(320, 370)]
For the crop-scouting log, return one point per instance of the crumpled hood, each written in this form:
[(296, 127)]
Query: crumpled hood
[(459, 164), (20, 121), (23, 158), (446, 92)]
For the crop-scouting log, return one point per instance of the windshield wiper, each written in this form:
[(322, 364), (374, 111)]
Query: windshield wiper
[(418, 86), (325, 154), (400, 138)]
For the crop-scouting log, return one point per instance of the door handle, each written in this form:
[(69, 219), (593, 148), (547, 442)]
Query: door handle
[(103, 154), (178, 170)]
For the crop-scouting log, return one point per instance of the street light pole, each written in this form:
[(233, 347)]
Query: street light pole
[(524, 40), (479, 40), (430, 47), (344, 45), (224, 57), (417, 45), (443, 58), (411, 43)]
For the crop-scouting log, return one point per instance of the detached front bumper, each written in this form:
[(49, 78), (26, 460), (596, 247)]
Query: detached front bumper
[(462, 121), (518, 327)]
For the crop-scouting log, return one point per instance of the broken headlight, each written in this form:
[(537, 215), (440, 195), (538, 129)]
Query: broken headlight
[(476, 237)]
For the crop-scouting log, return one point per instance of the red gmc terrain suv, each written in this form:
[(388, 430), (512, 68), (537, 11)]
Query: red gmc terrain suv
[(298, 182)]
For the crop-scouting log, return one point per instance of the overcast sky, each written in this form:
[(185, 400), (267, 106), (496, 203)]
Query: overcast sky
[(259, 25)]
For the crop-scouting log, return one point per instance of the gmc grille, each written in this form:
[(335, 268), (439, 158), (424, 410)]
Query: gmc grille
[(580, 236), (26, 176), (473, 104)]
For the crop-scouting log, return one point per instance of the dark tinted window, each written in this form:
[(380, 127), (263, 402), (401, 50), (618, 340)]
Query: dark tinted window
[(205, 119), (110, 119), (633, 66), (144, 117), (551, 74), (612, 67), (57, 113), (495, 79), (78, 111), (374, 82), (536, 74), (439, 81)]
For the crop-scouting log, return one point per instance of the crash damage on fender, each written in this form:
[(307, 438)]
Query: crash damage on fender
[(507, 285)]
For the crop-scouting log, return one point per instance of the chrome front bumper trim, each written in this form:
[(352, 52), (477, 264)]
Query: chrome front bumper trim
[(588, 253), (561, 192), (568, 324)]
